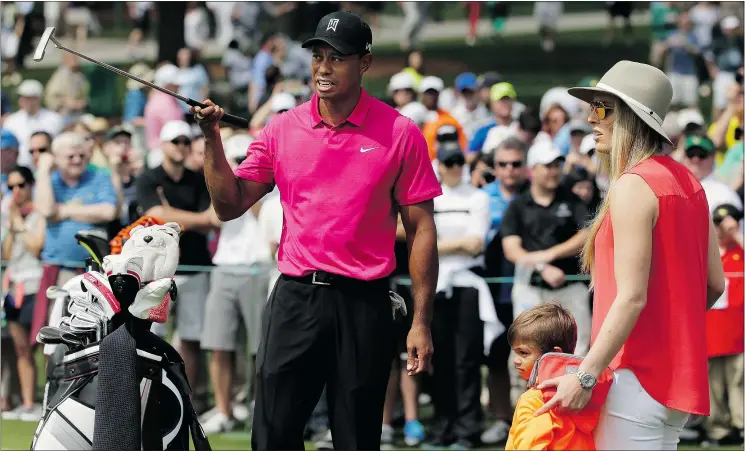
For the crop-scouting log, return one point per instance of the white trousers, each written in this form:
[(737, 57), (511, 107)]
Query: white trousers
[(631, 419)]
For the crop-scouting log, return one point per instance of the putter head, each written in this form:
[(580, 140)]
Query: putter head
[(45, 38), (55, 292)]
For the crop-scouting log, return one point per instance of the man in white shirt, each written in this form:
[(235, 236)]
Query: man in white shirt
[(238, 288), (468, 109), (31, 118), (462, 219)]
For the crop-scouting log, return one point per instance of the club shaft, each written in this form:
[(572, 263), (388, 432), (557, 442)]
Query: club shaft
[(189, 102)]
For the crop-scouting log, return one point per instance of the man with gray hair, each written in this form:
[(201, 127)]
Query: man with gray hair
[(72, 196)]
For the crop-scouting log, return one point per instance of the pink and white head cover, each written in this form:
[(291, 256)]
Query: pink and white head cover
[(99, 287)]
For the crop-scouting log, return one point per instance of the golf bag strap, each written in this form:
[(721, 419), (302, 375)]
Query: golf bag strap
[(198, 437)]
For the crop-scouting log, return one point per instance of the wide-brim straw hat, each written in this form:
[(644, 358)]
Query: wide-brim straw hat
[(643, 88)]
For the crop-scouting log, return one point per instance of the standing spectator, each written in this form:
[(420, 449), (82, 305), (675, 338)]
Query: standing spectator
[(511, 179), (724, 336), (683, 49), (261, 62), (31, 118), (704, 17), (139, 12), (468, 110), (196, 26), (430, 88), (415, 16), (728, 125), (582, 147), (663, 22), (699, 159), (68, 90), (542, 231), (162, 108), (21, 248), (581, 182), (193, 79), (725, 60), (502, 97), (238, 287), (415, 66), (402, 88), (547, 15), (72, 197), (124, 164), (462, 219), (135, 99), (238, 66), (622, 10), (39, 143), (8, 157), (173, 193)]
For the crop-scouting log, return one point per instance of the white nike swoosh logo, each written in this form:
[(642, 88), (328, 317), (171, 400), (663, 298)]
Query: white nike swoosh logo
[(363, 150)]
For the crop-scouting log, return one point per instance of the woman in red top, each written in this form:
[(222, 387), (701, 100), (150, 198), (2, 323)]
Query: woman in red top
[(654, 258)]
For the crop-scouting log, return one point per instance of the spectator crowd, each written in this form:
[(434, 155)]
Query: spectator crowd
[(519, 184)]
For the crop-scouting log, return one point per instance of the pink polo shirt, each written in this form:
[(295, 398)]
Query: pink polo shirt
[(340, 186)]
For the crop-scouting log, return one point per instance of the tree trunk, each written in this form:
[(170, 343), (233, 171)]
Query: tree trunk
[(170, 23)]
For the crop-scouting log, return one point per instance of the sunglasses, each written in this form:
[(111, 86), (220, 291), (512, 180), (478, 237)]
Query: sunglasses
[(454, 162), (601, 110), (697, 152), (515, 164), (39, 150), (184, 141), (19, 186)]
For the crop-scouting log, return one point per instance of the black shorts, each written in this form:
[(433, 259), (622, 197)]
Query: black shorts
[(621, 9), (23, 315)]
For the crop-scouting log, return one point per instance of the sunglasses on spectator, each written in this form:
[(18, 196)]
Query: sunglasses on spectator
[(19, 186), (184, 141), (601, 110), (515, 164), (454, 162), (694, 152), (39, 150)]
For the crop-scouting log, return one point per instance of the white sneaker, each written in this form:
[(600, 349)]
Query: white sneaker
[(13, 414), (241, 411), (324, 441), (31, 415), (218, 424), (498, 432), (386, 437)]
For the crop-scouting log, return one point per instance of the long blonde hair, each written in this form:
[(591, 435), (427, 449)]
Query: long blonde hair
[(632, 141)]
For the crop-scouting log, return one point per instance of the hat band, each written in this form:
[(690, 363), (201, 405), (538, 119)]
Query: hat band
[(630, 101)]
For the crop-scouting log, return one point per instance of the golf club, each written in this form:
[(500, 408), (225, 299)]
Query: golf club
[(49, 36), (55, 292)]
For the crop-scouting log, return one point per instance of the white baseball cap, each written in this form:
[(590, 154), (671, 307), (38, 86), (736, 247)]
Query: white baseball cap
[(431, 82), (282, 101), (30, 88), (402, 80), (495, 136), (415, 111), (237, 145), (689, 116), (543, 152), (587, 144), (173, 129), (167, 75), (729, 23)]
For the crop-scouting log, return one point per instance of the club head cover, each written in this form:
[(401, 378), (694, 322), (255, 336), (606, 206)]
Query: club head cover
[(98, 285), (152, 301)]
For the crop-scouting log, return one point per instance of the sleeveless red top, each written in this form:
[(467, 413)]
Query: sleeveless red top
[(667, 348)]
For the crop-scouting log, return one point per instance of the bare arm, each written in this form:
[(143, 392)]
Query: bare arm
[(633, 211), (718, 133), (714, 271), (231, 196), (513, 248), (570, 247), (188, 219), (421, 235), (44, 193), (92, 214)]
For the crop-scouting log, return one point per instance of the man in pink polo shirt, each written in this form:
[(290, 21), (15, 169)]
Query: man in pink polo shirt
[(345, 164)]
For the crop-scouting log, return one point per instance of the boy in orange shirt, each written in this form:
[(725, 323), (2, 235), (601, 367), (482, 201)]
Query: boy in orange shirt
[(542, 329)]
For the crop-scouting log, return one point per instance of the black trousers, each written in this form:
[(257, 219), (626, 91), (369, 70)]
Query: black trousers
[(457, 333), (312, 335)]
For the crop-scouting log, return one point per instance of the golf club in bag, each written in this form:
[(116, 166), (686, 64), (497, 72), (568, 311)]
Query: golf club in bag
[(112, 384), (49, 36)]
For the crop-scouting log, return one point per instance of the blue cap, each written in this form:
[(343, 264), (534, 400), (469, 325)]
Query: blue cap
[(8, 140), (466, 80), (450, 151)]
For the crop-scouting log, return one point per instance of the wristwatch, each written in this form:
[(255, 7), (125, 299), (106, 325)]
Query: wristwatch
[(586, 380)]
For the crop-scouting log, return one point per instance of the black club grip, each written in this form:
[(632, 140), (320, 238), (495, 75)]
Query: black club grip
[(227, 118)]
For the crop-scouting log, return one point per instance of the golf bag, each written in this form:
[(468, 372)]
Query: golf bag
[(112, 384)]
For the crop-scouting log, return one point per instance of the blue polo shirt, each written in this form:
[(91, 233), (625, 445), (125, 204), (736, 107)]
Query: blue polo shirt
[(497, 207), (479, 137), (94, 188)]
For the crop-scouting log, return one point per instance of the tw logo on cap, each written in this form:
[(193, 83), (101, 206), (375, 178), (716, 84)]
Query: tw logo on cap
[(332, 24)]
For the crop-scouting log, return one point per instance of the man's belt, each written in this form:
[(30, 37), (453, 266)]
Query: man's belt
[(324, 278)]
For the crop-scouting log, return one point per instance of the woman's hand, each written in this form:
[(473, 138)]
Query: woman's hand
[(570, 396), (16, 219)]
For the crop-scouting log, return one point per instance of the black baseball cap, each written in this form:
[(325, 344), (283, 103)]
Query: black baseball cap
[(346, 32), (725, 210)]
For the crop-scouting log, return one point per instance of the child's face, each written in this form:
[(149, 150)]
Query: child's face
[(525, 356)]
